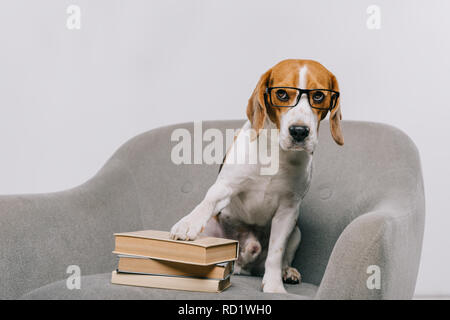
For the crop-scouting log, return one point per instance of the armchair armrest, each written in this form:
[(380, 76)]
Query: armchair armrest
[(42, 234), (384, 240)]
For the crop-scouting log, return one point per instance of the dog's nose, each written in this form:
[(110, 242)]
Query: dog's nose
[(299, 133)]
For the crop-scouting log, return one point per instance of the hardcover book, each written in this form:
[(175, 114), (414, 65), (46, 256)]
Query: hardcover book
[(170, 282), (158, 245), (142, 265)]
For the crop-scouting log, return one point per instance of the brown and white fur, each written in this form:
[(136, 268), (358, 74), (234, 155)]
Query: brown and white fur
[(261, 211)]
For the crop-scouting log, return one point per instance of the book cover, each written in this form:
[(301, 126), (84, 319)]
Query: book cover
[(158, 245), (168, 282)]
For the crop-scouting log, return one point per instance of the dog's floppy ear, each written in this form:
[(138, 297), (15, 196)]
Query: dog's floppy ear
[(336, 116), (256, 108)]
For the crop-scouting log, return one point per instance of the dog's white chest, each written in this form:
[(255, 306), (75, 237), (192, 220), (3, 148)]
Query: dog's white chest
[(258, 204), (262, 196)]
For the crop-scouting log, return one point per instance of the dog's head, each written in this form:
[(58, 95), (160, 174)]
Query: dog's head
[(295, 95)]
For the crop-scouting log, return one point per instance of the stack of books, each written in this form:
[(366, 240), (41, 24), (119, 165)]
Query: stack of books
[(150, 258)]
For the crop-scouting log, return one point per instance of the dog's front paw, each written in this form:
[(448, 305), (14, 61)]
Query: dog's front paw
[(291, 275), (186, 229), (273, 288), (272, 285)]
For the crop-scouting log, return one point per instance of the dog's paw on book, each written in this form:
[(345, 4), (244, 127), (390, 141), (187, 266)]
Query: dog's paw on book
[(149, 258)]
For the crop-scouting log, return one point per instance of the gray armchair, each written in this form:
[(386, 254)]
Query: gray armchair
[(365, 208)]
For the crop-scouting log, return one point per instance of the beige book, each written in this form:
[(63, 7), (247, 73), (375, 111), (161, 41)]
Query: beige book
[(158, 245), (133, 264), (168, 282)]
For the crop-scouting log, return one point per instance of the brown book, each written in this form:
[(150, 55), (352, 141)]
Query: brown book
[(133, 264), (158, 245), (168, 282)]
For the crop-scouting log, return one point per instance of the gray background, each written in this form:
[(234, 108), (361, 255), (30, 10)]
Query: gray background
[(69, 98)]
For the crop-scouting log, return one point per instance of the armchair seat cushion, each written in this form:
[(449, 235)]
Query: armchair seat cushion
[(98, 286)]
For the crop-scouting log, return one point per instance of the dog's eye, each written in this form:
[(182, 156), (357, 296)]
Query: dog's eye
[(282, 95), (318, 96)]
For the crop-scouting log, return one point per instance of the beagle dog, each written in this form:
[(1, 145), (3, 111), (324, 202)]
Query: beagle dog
[(261, 211)]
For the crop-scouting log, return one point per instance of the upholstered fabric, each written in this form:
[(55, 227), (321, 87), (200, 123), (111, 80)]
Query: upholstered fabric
[(99, 287), (365, 207)]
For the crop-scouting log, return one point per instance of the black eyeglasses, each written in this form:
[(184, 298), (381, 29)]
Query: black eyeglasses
[(288, 97)]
